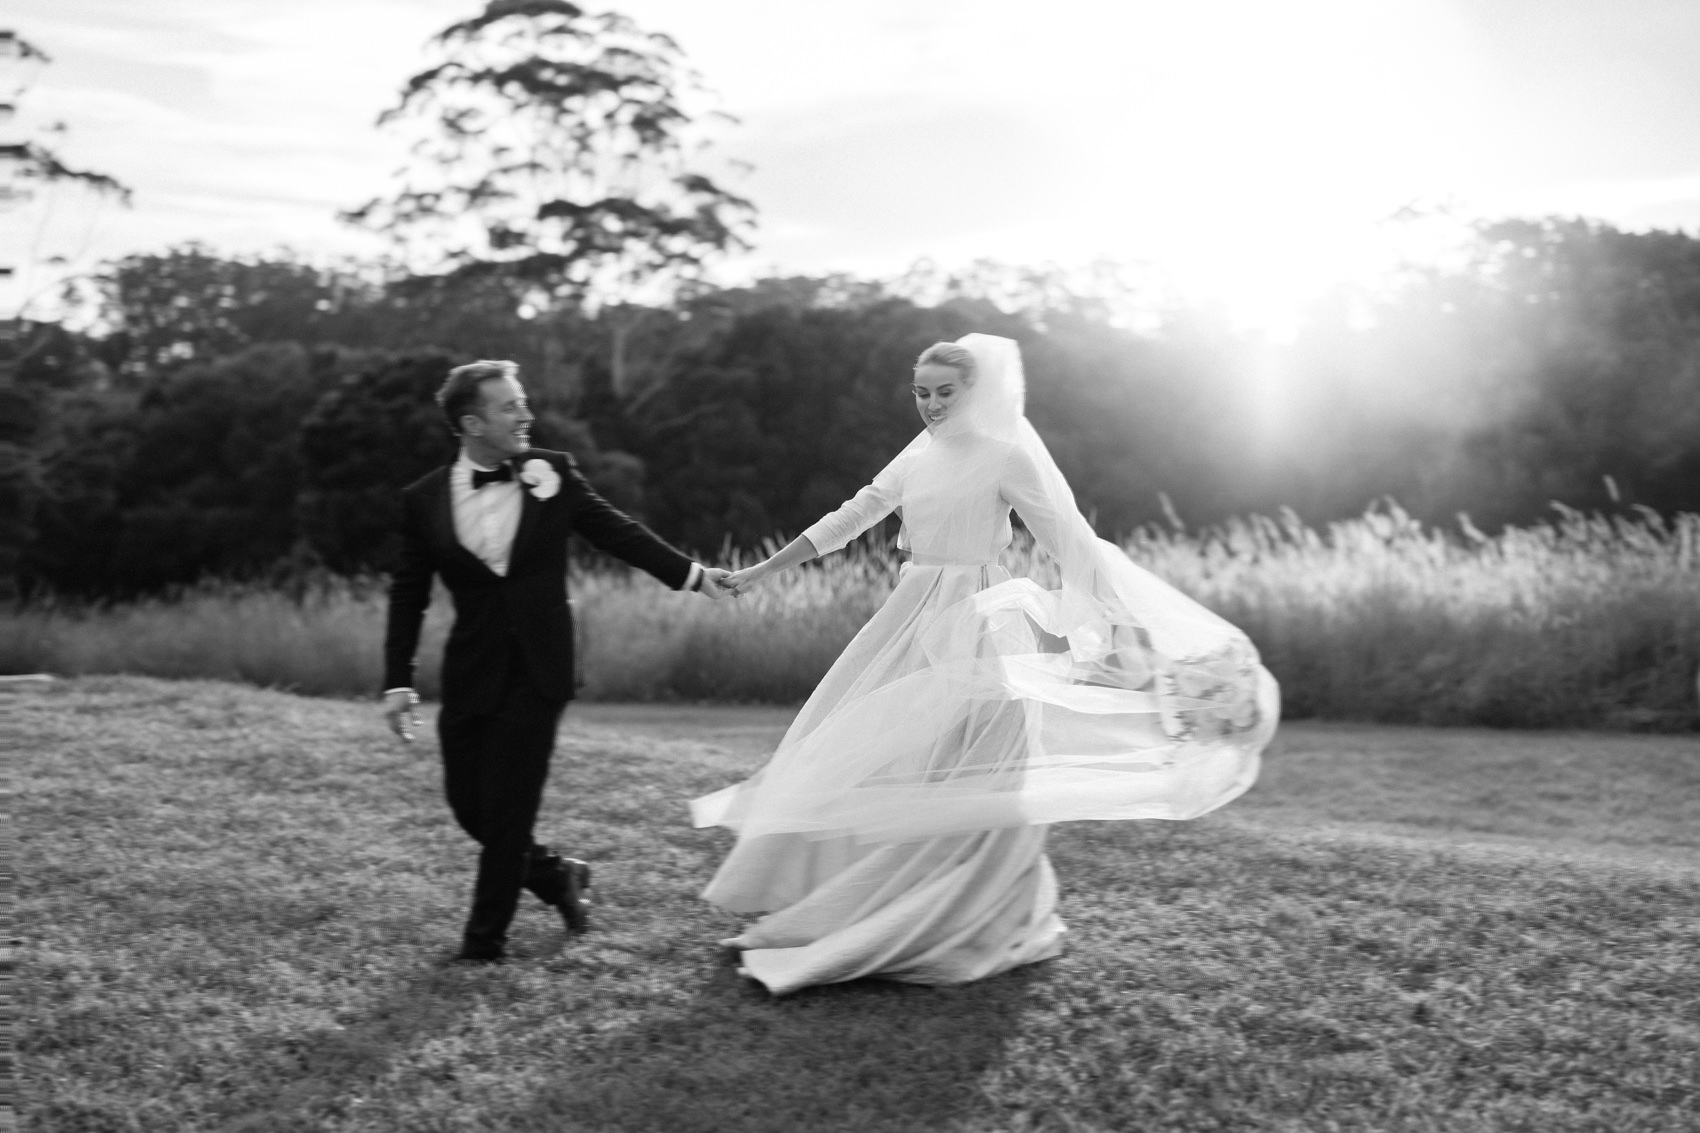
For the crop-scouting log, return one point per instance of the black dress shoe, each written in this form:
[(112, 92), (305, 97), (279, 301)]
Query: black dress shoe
[(575, 906), (562, 883), (479, 952)]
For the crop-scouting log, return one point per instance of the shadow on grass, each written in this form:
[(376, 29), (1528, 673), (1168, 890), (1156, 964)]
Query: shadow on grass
[(870, 1055), (310, 1076)]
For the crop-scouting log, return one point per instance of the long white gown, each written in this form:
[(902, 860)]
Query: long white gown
[(899, 829)]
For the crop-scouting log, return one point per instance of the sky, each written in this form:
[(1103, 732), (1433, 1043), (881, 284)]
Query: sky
[(1252, 151)]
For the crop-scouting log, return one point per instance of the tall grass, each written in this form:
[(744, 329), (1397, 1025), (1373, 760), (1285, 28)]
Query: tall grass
[(324, 641), (1585, 621), (772, 644), (1582, 621)]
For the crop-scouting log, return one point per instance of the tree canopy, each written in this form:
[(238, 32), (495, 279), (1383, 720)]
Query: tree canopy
[(562, 151), (240, 417)]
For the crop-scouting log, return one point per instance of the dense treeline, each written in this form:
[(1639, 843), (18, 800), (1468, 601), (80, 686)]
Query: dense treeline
[(253, 418)]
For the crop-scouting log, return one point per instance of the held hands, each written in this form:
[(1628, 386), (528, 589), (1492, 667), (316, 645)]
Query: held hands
[(718, 582), (739, 580), (399, 714), (713, 585)]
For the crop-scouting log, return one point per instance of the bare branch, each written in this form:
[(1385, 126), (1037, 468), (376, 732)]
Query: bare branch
[(32, 162)]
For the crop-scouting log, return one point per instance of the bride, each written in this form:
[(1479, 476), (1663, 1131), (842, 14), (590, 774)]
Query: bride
[(899, 829)]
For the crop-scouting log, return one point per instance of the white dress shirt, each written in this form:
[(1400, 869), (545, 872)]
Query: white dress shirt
[(486, 518)]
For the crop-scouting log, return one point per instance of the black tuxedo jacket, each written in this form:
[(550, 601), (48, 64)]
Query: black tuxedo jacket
[(522, 617)]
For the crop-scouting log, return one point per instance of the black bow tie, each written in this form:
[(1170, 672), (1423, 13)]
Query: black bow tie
[(502, 471)]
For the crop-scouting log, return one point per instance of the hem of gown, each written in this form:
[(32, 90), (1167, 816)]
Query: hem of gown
[(785, 988), (777, 984)]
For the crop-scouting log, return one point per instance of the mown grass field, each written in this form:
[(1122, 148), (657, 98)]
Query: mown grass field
[(236, 905)]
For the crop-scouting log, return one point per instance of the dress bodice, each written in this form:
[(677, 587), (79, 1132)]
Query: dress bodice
[(956, 492), (953, 511)]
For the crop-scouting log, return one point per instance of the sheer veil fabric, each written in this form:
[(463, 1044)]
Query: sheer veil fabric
[(899, 829), (1110, 696)]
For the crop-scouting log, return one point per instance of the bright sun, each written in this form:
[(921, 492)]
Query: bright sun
[(1252, 152)]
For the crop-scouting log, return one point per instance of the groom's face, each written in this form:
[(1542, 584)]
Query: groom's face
[(502, 424)]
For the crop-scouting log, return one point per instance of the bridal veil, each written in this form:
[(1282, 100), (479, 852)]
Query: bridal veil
[(987, 701)]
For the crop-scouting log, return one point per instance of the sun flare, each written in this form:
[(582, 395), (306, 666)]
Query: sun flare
[(1252, 153)]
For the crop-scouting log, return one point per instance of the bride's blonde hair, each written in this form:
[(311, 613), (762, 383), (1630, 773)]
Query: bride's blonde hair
[(957, 357)]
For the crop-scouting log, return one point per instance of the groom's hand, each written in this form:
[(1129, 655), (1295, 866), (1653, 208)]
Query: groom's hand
[(714, 582), (398, 712)]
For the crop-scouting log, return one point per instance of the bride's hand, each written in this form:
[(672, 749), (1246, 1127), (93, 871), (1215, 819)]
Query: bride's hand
[(739, 580)]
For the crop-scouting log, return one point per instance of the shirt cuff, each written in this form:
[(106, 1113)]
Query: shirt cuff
[(693, 580), (404, 688)]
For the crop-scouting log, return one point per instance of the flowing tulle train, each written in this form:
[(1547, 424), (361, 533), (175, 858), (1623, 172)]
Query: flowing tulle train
[(938, 910), (899, 829)]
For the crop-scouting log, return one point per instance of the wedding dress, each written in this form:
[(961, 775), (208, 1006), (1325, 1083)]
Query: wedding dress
[(899, 829)]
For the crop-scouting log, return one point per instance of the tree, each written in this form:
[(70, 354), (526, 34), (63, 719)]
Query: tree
[(46, 370), (163, 310), (31, 171), (790, 409), (193, 476), (365, 439), (31, 177), (555, 149), (1557, 359)]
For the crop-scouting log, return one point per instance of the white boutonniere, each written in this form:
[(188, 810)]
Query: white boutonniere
[(540, 478)]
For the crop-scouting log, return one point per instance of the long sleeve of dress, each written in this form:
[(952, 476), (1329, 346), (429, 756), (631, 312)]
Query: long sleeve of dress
[(860, 512)]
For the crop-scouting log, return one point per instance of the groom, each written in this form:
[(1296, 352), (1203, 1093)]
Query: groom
[(494, 525)]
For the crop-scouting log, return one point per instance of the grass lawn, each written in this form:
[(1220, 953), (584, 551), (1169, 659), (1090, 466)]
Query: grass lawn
[(236, 905)]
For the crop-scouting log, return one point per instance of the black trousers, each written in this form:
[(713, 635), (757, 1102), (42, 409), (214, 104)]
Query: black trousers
[(494, 768)]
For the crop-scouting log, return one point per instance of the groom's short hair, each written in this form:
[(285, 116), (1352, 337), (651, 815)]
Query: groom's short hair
[(459, 394)]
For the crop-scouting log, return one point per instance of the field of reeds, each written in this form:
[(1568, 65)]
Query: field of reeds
[(1583, 621)]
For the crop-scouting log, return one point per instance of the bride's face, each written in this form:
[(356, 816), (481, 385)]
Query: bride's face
[(937, 389)]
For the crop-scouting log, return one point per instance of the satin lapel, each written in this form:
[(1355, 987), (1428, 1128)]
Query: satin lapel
[(528, 509)]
